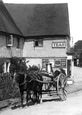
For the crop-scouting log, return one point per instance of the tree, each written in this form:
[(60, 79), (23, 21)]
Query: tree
[(1, 64), (18, 65), (78, 45)]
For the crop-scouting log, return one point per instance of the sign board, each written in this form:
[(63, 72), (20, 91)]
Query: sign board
[(61, 62), (69, 57), (57, 63), (58, 44)]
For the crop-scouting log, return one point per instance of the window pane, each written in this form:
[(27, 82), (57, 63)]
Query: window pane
[(9, 40), (18, 42), (38, 43)]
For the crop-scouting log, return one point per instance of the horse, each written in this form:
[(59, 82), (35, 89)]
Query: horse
[(28, 82), (35, 85)]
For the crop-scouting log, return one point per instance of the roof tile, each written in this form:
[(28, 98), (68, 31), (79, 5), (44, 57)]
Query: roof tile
[(40, 19)]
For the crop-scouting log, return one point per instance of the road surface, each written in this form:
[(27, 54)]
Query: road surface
[(72, 106)]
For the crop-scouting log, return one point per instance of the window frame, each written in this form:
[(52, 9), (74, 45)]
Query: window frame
[(39, 42), (9, 40), (18, 43)]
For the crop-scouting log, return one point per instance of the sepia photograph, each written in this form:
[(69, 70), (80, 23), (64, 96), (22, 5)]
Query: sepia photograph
[(40, 57)]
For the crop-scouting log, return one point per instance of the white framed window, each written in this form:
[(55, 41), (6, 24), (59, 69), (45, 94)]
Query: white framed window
[(9, 40), (38, 43)]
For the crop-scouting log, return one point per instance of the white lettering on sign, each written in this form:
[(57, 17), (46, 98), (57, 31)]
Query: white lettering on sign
[(58, 44)]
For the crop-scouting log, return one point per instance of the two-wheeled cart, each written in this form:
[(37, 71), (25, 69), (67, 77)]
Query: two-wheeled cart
[(59, 83)]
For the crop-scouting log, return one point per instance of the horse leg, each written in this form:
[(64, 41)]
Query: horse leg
[(27, 97), (40, 94), (21, 92), (36, 94), (40, 98), (49, 86)]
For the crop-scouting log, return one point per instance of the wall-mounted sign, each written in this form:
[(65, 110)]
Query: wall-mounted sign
[(60, 62), (58, 44), (57, 62)]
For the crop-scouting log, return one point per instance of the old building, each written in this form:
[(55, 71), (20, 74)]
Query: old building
[(47, 33), (11, 41)]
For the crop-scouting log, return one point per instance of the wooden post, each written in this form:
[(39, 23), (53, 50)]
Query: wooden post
[(72, 69)]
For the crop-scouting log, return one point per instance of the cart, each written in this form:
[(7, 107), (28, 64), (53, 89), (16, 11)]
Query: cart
[(59, 83)]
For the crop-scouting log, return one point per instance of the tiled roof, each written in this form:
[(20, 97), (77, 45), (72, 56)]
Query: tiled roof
[(7, 24), (40, 19)]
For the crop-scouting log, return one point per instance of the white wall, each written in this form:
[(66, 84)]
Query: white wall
[(37, 62), (45, 51)]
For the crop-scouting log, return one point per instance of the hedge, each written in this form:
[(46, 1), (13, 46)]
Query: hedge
[(8, 89)]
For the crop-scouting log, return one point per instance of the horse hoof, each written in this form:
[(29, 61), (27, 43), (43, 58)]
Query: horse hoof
[(27, 105), (35, 103), (41, 102), (22, 106)]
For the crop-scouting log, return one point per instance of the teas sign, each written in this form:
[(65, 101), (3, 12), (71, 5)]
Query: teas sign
[(58, 44)]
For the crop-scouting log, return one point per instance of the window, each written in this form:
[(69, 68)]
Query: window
[(18, 43), (44, 62), (9, 40), (38, 43)]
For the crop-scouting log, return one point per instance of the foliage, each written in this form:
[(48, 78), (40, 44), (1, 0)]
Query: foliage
[(78, 45), (33, 68), (7, 89), (18, 65), (1, 65), (78, 51)]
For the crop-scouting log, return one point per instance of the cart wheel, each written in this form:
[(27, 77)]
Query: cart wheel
[(61, 90), (62, 94)]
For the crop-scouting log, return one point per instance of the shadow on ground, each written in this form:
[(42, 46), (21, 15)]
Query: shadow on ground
[(31, 103)]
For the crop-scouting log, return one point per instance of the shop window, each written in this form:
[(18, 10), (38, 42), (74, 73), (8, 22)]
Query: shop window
[(38, 43), (44, 62), (9, 40)]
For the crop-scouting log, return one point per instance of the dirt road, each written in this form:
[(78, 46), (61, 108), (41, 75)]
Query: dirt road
[(72, 106)]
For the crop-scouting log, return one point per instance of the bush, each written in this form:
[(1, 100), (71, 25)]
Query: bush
[(18, 65), (33, 68), (7, 88)]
